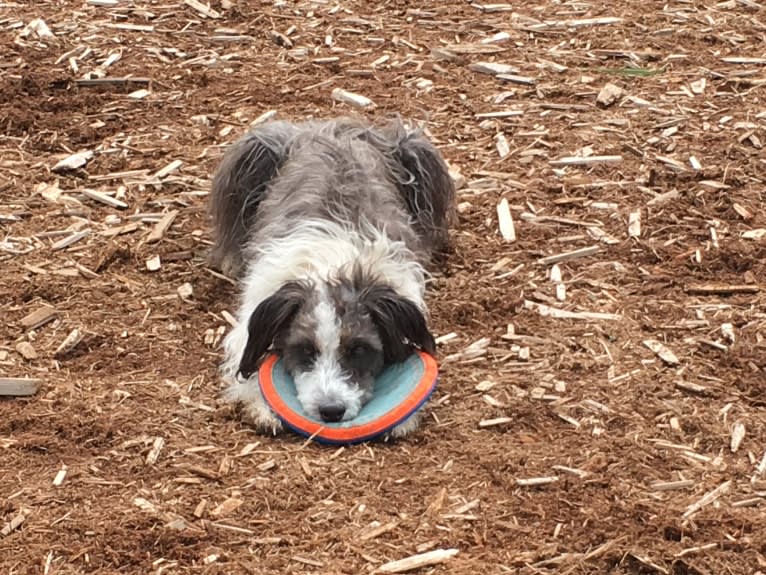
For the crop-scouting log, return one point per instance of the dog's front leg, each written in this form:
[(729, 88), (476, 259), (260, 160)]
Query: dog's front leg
[(246, 392)]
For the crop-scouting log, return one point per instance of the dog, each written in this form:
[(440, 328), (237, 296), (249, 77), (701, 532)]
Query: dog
[(330, 226)]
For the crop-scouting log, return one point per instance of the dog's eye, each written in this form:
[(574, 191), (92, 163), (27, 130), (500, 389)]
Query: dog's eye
[(306, 351), (358, 349)]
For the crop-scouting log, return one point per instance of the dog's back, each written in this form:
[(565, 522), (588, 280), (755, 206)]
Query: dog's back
[(388, 179)]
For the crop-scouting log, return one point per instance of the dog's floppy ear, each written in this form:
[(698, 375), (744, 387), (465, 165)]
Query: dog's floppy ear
[(270, 317), (239, 185), (401, 323)]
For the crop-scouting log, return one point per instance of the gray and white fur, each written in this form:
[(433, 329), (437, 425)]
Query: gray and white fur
[(329, 226)]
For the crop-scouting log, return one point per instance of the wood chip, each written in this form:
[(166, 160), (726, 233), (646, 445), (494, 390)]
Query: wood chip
[(73, 162), (26, 350), (39, 28), (413, 562), (185, 290), (760, 468), (634, 224), (376, 531), (307, 561), (167, 170), (469, 49), (698, 86), (340, 95), (566, 256), (608, 95), (557, 313), (499, 37), (585, 160), (571, 470), (69, 343), (60, 476), (663, 198), (707, 499), (204, 10), (154, 263), (697, 549), (499, 114), (154, 452), (104, 198), (536, 481), (692, 387), (199, 511), (263, 118), (720, 289), (226, 507), (501, 144), (161, 227), (737, 436), (39, 317), (13, 524), (86, 82), (491, 8), (749, 502), (743, 60), (493, 68), (516, 79), (495, 422), (139, 94), (756, 234), (18, 387), (742, 211), (671, 485), (266, 540), (507, 229), (145, 505), (582, 22), (70, 240), (661, 351)]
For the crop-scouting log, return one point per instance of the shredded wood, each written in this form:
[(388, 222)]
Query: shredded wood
[(536, 481), (631, 164), (662, 351), (707, 499), (18, 386), (413, 562), (556, 313)]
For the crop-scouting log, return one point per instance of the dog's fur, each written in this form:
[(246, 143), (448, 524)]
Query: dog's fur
[(330, 227)]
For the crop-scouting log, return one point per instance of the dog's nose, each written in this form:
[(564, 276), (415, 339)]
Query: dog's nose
[(332, 412)]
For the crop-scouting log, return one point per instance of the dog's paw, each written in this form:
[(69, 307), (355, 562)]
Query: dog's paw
[(228, 262), (263, 419), (403, 429), (254, 410), (269, 425)]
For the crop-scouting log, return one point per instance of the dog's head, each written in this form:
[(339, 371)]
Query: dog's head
[(335, 338)]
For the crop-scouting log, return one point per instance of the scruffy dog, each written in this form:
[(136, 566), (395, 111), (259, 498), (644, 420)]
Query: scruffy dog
[(330, 227)]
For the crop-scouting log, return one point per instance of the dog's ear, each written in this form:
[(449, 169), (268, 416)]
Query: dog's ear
[(269, 319), (238, 188), (402, 325), (424, 182)]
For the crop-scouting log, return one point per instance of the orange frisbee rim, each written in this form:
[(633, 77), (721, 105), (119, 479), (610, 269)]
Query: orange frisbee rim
[(302, 425)]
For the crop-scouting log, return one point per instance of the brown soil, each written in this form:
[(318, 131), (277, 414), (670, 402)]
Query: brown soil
[(592, 405)]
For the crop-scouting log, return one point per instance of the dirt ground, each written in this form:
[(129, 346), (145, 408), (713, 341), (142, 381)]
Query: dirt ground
[(126, 461)]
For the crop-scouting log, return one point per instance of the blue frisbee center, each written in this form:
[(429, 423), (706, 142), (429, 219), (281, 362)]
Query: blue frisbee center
[(392, 387)]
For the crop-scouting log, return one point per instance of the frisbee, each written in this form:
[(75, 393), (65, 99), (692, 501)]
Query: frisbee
[(399, 392)]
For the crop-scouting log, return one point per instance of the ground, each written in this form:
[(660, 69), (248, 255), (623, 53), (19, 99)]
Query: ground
[(127, 461)]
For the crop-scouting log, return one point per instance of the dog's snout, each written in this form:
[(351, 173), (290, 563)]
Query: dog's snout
[(332, 412)]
